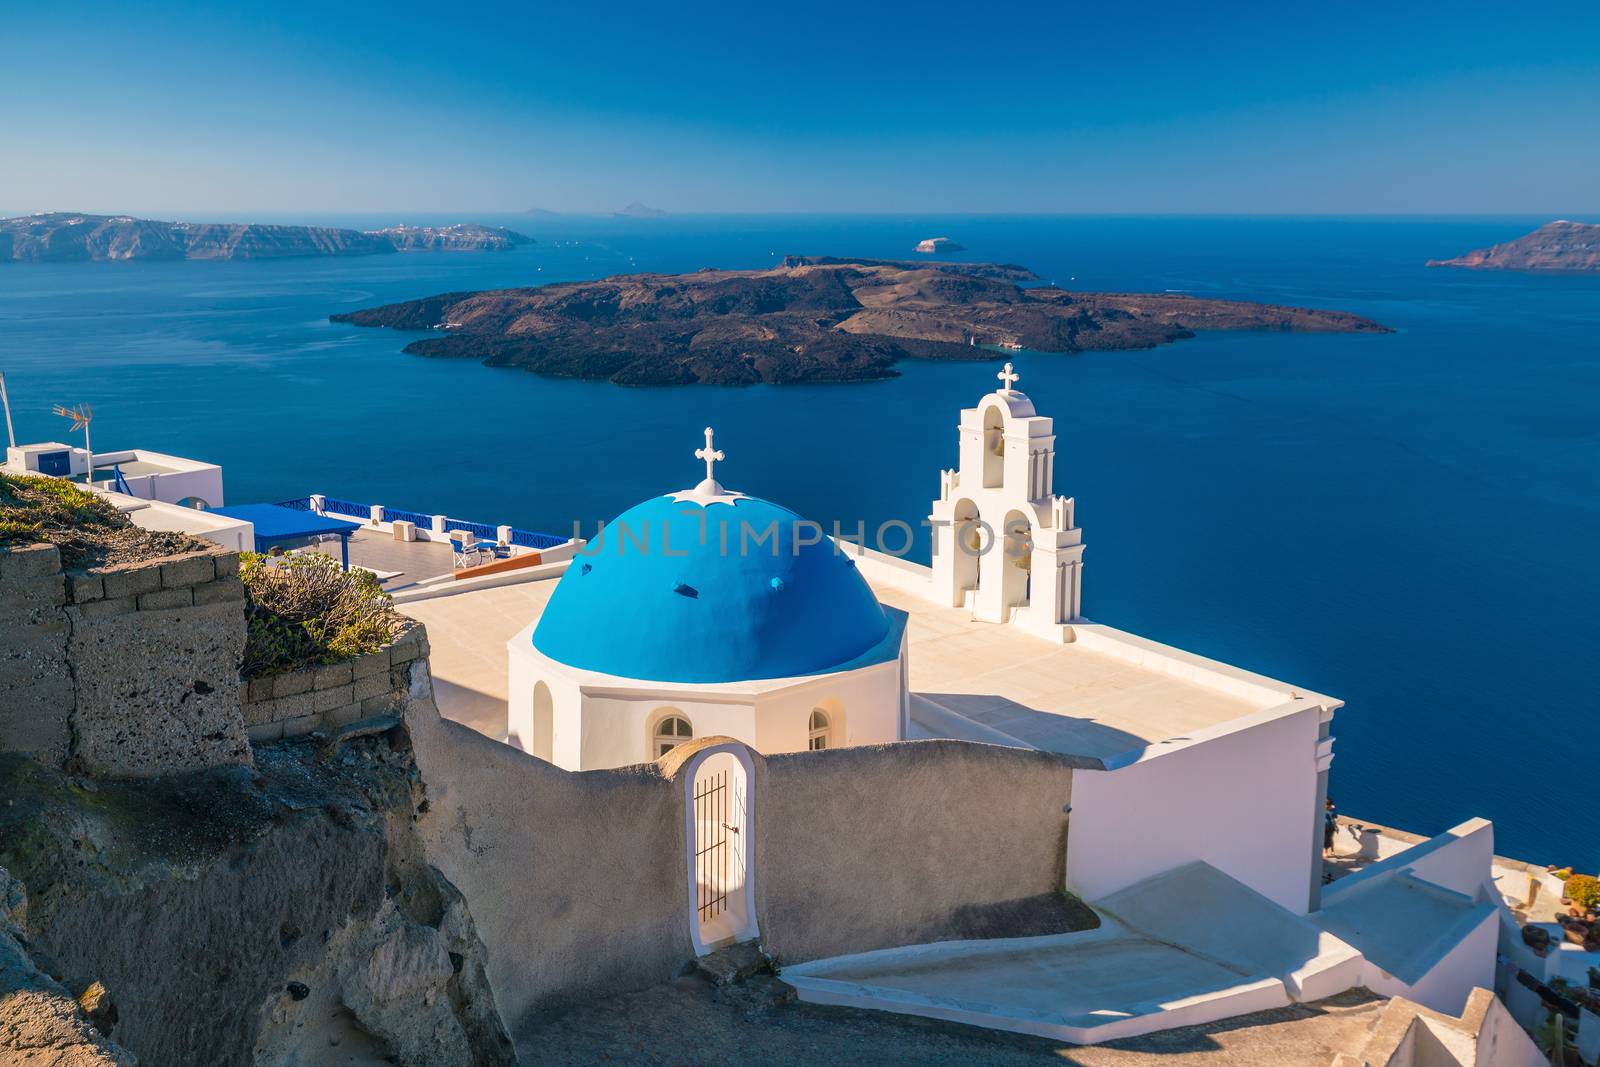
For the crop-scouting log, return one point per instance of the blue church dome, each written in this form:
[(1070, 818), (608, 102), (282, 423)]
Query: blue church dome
[(682, 589)]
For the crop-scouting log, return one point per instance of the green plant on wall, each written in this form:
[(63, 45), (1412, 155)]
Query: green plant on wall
[(305, 609), (1584, 891)]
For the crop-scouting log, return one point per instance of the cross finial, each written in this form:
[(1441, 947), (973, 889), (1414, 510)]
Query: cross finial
[(711, 456), (1008, 378)]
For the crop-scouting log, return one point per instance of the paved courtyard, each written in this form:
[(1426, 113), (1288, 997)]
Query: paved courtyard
[(690, 1022)]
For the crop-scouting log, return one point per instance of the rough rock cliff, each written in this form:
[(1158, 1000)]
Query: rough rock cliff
[(1555, 246), (278, 915)]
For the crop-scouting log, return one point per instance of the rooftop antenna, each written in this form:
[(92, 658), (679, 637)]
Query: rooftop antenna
[(80, 414), (5, 401)]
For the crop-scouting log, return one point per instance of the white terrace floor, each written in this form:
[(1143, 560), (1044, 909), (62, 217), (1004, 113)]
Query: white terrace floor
[(1055, 697)]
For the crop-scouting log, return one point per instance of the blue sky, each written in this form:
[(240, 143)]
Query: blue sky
[(819, 107)]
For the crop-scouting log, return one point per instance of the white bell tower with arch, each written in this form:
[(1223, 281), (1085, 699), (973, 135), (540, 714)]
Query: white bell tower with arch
[(1004, 545)]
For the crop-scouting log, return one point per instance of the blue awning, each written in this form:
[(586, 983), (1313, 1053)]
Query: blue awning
[(275, 524)]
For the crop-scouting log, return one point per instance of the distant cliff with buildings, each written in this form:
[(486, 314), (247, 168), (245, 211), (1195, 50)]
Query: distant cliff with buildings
[(1571, 247), (67, 236)]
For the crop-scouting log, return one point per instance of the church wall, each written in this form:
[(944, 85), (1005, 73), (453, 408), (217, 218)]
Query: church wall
[(1239, 800), (870, 703), (867, 848), (617, 730), (575, 880)]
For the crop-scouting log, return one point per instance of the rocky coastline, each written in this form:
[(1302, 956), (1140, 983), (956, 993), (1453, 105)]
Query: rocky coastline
[(814, 319)]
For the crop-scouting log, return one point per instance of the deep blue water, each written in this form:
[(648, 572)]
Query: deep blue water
[(1407, 521)]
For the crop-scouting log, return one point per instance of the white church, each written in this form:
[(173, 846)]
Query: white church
[(708, 613)]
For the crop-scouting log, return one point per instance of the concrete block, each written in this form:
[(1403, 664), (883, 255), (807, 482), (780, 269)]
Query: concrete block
[(223, 590), (260, 689), (96, 609), (292, 682), (327, 699), (28, 594), (333, 675), (299, 727), (271, 731), (293, 706), (227, 564), (261, 712), (158, 690), (341, 716), (370, 664), (130, 579), (410, 645), (82, 588), (163, 599), (184, 571), (29, 561), (373, 685), (378, 705)]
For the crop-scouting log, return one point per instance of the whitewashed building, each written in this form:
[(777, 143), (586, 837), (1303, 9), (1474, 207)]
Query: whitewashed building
[(1197, 788)]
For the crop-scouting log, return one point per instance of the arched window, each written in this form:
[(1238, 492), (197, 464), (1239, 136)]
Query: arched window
[(670, 732), (819, 730)]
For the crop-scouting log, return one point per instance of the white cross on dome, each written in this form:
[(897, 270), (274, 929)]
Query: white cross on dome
[(1008, 378), (711, 456)]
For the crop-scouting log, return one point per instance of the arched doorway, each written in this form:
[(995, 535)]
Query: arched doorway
[(544, 721), (720, 810)]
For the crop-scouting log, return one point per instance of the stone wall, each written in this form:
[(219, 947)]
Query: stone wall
[(872, 847), (37, 693), (327, 697), (130, 670), (578, 881)]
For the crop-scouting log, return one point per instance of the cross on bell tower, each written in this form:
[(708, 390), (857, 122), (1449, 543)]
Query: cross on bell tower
[(712, 456), (1008, 378)]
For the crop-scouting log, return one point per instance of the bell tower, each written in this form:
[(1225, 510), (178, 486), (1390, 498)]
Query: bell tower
[(1004, 545)]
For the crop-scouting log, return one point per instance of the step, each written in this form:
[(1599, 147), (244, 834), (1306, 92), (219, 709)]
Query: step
[(733, 964)]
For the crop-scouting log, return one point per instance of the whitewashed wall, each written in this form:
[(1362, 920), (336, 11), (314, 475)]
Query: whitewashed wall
[(1242, 800)]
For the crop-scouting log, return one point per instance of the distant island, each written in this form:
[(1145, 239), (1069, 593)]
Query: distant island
[(1572, 247), (939, 244), (637, 210), (64, 236), (814, 319)]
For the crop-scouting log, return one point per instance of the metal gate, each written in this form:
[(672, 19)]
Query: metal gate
[(719, 850)]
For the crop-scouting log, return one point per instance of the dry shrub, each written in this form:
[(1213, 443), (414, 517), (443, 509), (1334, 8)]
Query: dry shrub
[(86, 529), (304, 610)]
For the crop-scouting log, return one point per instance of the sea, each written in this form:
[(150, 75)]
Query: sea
[(1407, 521)]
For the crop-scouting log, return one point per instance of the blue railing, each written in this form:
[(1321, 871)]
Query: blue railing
[(520, 538), (477, 529), (118, 482), (415, 517), (529, 539), (345, 507)]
